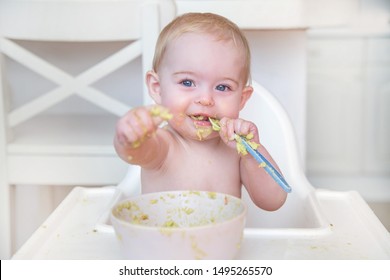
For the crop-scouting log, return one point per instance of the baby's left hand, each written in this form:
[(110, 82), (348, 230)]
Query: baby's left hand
[(229, 127)]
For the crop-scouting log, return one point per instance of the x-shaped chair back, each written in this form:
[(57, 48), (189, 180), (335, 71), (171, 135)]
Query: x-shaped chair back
[(69, 85)]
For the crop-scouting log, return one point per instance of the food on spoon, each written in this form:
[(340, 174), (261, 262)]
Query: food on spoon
[(240, 147), (215, 124), (249, 136)]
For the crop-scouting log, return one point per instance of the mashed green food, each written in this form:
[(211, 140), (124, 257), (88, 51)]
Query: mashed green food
[(239, 145), (157, 111)]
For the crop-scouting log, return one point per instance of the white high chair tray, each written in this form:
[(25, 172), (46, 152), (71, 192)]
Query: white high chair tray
[(78, 229)]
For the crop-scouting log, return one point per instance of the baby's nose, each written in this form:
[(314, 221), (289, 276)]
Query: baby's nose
[(205, 99)]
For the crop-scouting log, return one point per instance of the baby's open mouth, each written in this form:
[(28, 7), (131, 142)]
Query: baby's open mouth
[(203, 126), (200, 118)]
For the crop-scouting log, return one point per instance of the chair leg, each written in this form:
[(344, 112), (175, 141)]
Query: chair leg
[(5, 219)]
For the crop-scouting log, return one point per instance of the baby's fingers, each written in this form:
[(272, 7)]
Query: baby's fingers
[(145, 120), (232, 127), (142, 123), (227, 131), (244, 128), (135, 127)]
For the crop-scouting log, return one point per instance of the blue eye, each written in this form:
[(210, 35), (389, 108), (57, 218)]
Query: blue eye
[(187, 83), (222, 87)]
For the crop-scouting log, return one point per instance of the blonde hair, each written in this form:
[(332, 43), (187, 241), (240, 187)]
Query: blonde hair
[(213, 24)]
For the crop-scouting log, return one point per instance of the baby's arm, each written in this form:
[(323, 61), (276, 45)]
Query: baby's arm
[(262, 188), (138, 140)]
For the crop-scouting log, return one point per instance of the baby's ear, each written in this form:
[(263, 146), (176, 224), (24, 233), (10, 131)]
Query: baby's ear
[(246, 94), (153, 84)]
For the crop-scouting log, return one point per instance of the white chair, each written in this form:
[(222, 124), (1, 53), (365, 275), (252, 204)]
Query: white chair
[(277, 135), (313, 224), (37, 148)]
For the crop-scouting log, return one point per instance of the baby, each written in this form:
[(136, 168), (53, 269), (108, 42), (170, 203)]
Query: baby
[(201, 70)]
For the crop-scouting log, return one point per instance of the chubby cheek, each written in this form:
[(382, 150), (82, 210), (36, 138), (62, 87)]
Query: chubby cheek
[(177, 106), (178, 120), (228, 109)]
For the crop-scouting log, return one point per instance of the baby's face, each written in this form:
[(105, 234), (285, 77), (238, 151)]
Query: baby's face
[(201, 77)]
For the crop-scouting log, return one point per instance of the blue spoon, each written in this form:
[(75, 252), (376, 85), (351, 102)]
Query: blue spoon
[(269, 168)]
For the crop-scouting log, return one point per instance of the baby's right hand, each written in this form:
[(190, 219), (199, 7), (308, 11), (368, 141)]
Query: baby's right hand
[(139, 124)]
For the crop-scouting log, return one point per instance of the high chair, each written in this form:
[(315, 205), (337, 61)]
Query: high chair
[(313, 223), (42, 149)]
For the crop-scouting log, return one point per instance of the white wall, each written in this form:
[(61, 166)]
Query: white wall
[(348, 105)]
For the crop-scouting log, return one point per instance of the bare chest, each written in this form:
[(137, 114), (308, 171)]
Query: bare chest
[(216, 171)]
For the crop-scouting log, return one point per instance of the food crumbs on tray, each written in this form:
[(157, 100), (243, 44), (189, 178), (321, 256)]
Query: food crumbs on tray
[(153, 201), (226, 201)]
